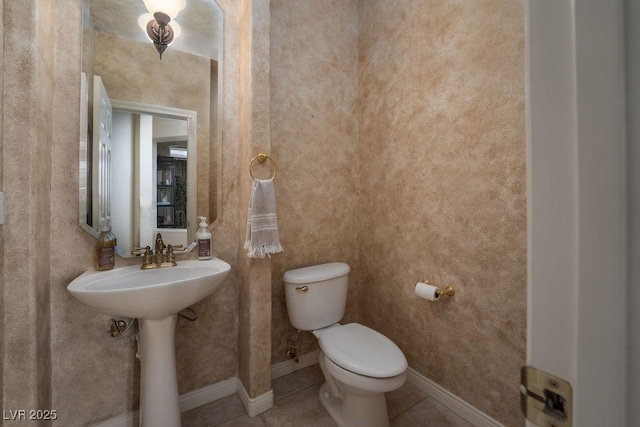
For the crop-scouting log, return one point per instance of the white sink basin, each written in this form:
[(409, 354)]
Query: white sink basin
[(149, 294), (154, 297)]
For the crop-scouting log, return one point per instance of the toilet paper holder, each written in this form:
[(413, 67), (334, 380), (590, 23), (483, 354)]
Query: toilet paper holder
[(448, 291)]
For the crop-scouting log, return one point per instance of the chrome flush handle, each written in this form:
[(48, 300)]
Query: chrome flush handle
[(302, 288)]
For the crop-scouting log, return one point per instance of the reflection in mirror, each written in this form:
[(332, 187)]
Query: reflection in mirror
[(173, 104), (153, 187)]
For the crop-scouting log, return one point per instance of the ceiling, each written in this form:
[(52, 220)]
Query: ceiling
[(201, 22)]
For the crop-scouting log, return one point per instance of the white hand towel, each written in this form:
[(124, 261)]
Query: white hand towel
[(262, 225)]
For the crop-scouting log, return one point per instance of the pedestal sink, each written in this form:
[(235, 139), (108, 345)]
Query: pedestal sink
[(154, 297)]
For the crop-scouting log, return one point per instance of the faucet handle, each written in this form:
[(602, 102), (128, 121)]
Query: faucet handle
[(147, 256), (139, 251)]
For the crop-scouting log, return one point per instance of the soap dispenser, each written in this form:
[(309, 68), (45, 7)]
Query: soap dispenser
[(203, 238), (110, 233), (104, 253)]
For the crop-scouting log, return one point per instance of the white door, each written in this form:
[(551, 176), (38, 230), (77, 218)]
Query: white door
[(576, 202), (102, 122), (146, 170)]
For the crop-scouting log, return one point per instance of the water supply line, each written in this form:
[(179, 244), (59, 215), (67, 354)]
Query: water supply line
[(292, 349), (189, 314), (120, 326)]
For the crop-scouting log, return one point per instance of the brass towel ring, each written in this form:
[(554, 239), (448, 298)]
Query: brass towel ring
[(261, 157)]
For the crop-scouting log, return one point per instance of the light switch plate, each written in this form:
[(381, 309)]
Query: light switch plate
[(1, 208)]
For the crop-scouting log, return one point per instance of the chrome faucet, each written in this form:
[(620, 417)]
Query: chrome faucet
[(158, 258)]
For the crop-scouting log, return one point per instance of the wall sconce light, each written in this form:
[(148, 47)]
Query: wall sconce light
[(156, 22)]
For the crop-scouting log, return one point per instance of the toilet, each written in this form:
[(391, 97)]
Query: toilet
[(358, 363)]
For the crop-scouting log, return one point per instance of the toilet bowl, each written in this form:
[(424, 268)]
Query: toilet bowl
[(359, 364), (356, 400)]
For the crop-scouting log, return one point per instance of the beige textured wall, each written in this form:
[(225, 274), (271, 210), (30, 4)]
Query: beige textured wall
[(433, 185), (442, 190), (26, 150), (314, 143), (2, 249), (95, 377), (398, 131), (254, 302)]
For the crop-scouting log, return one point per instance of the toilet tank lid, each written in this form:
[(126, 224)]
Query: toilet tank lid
[(316, 273)]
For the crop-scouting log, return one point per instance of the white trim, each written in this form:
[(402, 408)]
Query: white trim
[(255, 405), (188, 401), (288, 366), (448, 399), (205, 395), (577, 286), (458, 406)]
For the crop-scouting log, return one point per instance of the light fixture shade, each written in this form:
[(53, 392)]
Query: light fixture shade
[(177, 30), (142, 21), (169, 7)]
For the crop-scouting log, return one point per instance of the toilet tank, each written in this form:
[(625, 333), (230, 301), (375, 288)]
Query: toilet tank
[(316, 295)]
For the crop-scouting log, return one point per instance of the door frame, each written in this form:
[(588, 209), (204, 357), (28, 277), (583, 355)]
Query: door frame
[(576, 197)]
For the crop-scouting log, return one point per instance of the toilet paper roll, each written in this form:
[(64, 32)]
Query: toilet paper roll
[(427, 291)]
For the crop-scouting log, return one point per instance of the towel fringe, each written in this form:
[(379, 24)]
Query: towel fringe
[(260, 251)]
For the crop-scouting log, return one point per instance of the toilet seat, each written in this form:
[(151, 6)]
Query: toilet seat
[(363, 351)]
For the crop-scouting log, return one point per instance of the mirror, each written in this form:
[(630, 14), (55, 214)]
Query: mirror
[(150, 130)]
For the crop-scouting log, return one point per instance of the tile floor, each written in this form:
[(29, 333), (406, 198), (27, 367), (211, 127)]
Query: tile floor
[(296, 403)]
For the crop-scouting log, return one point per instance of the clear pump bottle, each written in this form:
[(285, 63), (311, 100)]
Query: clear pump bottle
[(104, 253)]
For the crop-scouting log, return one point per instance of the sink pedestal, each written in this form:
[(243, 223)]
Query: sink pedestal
[(154, 297), (158, 381)]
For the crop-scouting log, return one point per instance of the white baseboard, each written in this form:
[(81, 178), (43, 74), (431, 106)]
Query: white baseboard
[(255, 405), (187, 401), (200, 397), (283, 368), (470, 413)]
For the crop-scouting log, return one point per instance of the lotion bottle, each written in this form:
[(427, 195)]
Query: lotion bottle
[(203, 239), (104, 253)]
